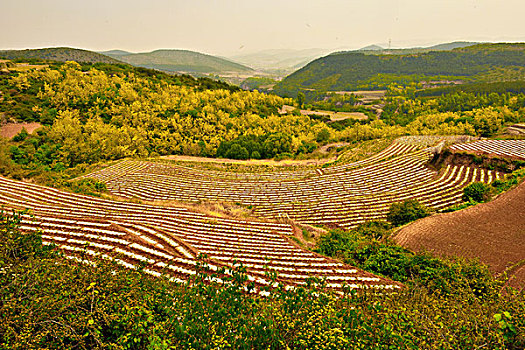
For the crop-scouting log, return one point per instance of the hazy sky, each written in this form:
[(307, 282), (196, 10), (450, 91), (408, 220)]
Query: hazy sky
[(242, 26)]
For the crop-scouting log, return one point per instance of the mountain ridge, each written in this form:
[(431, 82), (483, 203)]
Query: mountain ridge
[(61, 54), (180, 60), (354, 70)]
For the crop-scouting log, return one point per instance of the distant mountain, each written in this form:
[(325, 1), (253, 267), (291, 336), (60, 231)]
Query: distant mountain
[(115, 53), (62, 54), (180, 61), (378, 50), (371, 48), (354, 70), (279, 60), (451, 46)]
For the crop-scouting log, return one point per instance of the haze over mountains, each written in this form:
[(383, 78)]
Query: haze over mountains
[(272, 63), (279, 60)]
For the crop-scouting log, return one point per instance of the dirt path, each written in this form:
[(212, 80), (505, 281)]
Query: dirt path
[(336, 116), (286, 162), (494, 232)]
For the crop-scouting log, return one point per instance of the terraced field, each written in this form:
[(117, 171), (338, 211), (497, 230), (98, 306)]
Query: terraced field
[(502, 148), (169, 240), (343, 194)]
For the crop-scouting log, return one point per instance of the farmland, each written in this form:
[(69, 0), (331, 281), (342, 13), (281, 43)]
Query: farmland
[(169, 240), (202, 204), (505, 148), (498, 242), (343, 195)]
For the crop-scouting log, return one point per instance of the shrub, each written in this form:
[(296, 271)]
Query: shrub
[(476, 191), (323, 135), (21, 136), (87, 186), (374, 229), (406, 211)]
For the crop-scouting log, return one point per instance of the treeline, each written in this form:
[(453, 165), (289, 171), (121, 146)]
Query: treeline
[(93, 115), (405, 104), (267, 146), (513, 87), (98, 114)]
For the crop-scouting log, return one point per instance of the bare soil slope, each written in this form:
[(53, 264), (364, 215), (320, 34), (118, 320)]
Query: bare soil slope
[(9, 130), (494, 232)]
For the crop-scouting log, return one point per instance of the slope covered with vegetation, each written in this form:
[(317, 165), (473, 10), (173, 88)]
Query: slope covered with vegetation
[(180, 61), (53, 302), (104, 112), (358, 71), (61, 54)]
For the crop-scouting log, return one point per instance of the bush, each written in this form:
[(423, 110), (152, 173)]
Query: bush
[(476, 191), (21, 136), (375, 229), (406, 211), (88, 186), (323, 135)]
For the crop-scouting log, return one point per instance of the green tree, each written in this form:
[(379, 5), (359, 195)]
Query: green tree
[(323, 135), (477, 192), (406, 211), (300, 99), (236, 151)]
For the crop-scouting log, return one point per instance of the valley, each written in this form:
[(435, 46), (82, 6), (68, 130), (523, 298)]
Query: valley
[(369, 197)]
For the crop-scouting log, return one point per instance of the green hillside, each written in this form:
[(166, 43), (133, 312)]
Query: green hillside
[(61, 54), (180, 61), (358, 71)]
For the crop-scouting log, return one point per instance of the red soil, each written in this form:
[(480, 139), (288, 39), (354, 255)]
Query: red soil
[(11, 129), (494, 232)]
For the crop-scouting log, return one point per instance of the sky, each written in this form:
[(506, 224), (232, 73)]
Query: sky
[(230, 27)]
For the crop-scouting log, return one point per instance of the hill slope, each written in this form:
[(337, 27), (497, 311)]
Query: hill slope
[(357, 70), (494, 232), (180, 61), (61, 54)]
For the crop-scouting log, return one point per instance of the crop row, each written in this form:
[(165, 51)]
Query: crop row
[(345, 197), (169, 240), (503, 148)]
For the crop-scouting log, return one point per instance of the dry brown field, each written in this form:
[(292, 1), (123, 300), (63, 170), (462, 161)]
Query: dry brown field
[(336, 116), (493, 232), (11, 129)]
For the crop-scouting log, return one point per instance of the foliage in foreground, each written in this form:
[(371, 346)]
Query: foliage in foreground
[(48, 302)]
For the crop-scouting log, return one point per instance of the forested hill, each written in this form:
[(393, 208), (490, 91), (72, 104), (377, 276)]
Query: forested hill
[(61, 54), (356, 70), (180, 61)]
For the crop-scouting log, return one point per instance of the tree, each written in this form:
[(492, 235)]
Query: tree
[(406, 211), (477, 192), (277, 143), (236, 151), (323, 135), (300, 99)]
